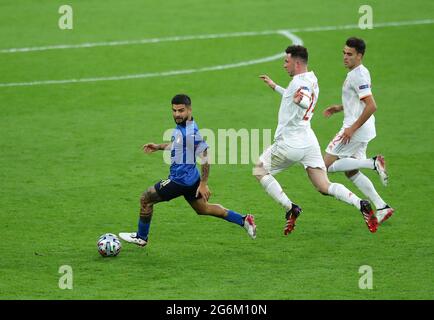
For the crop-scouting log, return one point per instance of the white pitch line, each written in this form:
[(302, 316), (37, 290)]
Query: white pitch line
[(208, 36), (141, 41), (287, 34)]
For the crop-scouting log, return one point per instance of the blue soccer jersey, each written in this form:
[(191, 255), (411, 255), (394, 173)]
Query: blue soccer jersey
[(187, 144)]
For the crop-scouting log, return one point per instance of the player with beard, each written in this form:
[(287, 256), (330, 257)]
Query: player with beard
[(184, 179)]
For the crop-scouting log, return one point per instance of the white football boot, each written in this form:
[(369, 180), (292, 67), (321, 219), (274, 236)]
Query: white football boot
[(133, 238), (384, 214), (250, 226), (380, 167)]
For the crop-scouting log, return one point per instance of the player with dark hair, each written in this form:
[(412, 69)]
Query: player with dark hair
[(184, 179), (347, 151), (295, 142)]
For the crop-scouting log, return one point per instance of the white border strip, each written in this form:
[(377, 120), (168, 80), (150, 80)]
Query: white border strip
[(208, 36)]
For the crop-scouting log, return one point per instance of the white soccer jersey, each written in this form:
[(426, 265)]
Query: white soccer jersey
[(357, 86), (294, 120)]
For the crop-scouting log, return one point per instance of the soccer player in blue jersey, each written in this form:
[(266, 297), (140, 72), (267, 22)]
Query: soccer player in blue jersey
[(184, 179)]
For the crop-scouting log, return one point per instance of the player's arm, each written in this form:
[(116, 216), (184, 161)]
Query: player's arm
[(370, 108), (152, 147), (272, 84), (332, 110), (302, 98), (203, 189)]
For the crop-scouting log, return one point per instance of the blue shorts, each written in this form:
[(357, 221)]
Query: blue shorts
[(168, 190)]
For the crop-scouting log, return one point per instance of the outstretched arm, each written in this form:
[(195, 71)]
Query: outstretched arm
[(332, 110), (272, 84), (152, 147), (203, 189)]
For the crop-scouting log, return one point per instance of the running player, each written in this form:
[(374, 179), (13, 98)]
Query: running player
[(184, 179), (347, 151), (295, 141)]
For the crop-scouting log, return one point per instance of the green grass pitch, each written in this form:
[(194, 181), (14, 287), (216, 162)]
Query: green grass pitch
[(71, 167)]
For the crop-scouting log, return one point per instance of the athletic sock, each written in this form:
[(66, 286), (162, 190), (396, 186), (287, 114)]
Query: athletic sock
[(273, 188), (365, 185), (143, 229), (339, 191), (348, 164), (235, 217)]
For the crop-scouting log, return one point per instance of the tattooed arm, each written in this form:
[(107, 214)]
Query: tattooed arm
[(152, 147), (203, 189)]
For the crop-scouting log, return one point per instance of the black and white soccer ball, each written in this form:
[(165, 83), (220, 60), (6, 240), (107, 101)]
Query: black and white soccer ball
[(109, 245)]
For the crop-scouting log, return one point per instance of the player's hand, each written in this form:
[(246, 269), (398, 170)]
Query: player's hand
[(298, 96), (268, 81), (346, 135), (150, 147), (203, 190), (331, 110)]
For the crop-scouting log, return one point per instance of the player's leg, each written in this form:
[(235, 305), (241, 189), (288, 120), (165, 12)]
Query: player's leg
[(348, 164), (147, 201), (165, 190), (321, 182), (202, 207), (316, 170), (329, 159), (357, 151), (341, 157), (365, 185), (362, 182), (275, 159), (269, 163)]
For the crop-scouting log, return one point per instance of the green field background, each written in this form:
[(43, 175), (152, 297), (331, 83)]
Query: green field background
[(71, 167)]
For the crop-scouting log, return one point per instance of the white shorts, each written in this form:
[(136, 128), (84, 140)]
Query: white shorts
[(353, 149), (280, 156)]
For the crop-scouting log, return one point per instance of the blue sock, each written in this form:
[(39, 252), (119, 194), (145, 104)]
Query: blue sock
[(235, 217), (143, 229)]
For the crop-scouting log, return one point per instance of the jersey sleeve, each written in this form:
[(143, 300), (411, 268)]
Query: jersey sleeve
[(199, 144), (279, 89), (362, 85)]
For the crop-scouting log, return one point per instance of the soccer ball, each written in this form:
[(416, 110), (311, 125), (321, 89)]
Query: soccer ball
[(109, 245)]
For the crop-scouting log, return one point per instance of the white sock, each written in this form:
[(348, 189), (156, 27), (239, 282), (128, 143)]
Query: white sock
[(338, 191), (348, 164), (365, 185), (273, 188)]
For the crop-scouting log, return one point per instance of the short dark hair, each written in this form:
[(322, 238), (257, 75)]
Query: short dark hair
[(357, 44), (181, 99), (299, 52)]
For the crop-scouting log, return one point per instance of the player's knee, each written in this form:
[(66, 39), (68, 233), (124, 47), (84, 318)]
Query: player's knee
[(351, 173), (323, 188), (146, 197), (323, 191), (259, 171), (201, 211)]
